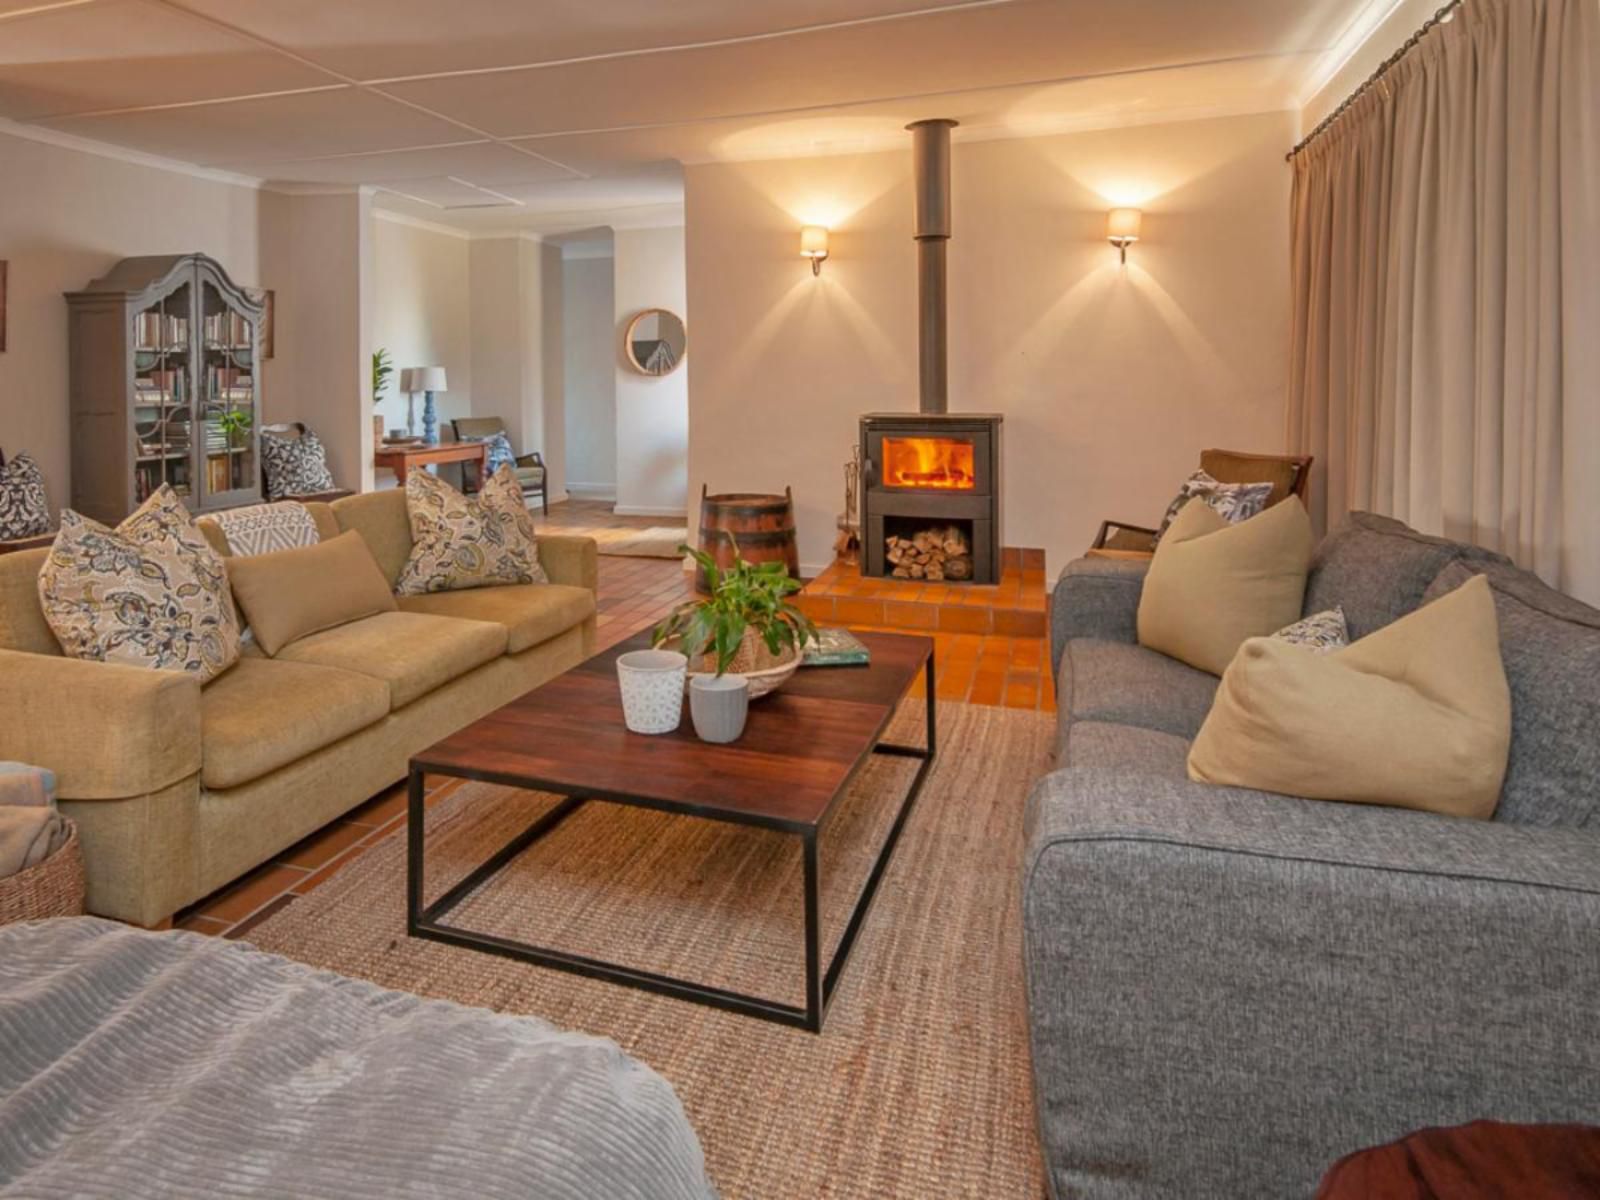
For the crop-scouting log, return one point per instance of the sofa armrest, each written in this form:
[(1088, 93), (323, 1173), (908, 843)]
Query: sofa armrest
[(1228, 991), (107, 731), (570, 560), (1095, 598)]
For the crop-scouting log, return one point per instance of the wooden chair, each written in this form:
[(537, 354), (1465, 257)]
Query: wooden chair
[(529, 468), (1289, 474), (292, 430)]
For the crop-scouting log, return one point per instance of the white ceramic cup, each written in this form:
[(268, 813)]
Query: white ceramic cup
[(652, 689), (719, 704)]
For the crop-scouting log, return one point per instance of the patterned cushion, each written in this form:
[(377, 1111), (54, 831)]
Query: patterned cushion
[(500, 452), (266, 528), (1233, 502), (150, 593), (295, 466), (458, 542), (1321, 633), (24, 512)]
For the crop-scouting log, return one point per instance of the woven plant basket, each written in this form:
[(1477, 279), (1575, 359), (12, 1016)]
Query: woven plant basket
[(765, 671), (53, 888)]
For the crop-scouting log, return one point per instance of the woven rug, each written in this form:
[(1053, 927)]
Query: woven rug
[(919, 1084), (659, 541)]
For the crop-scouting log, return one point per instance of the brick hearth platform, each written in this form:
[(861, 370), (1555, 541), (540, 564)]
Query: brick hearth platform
[(1014, 607)]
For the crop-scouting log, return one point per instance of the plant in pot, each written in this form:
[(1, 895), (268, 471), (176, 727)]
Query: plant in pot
[(382, 372), (747, 624)]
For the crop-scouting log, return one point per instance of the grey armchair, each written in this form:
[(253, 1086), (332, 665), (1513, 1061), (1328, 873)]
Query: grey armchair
[(529, 468)]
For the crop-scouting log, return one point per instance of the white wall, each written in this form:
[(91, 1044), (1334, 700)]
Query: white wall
[(652, 411), (421, 309), (589, 370), (316, 254), (1111, 380), (67, 217)]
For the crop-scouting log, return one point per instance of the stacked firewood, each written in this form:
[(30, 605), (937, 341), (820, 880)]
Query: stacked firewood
[(942, 552)]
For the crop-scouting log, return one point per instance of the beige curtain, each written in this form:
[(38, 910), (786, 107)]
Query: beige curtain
[(1445, 367)]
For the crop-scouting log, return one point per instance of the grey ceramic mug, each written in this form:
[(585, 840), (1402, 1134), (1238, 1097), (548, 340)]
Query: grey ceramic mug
[(718, 705)]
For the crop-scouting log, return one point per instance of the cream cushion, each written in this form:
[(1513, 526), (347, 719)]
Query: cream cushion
[(531, 613), (1211, 585), (288, 594), (1417, 714), (265, 714), (413, 653)]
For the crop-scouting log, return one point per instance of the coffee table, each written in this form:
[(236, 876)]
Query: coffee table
[(800, 749)]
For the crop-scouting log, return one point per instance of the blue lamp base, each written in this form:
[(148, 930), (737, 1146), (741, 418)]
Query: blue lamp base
[(430, 420)]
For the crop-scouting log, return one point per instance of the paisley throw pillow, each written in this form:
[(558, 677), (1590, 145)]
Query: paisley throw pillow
[(457, 542), (24, 511), (1233, 502), (295, 466), (1320, 633), (149, 593)]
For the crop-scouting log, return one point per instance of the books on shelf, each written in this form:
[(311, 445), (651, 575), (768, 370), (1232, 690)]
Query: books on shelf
[(227, 331), (835, 648), (155, 330)]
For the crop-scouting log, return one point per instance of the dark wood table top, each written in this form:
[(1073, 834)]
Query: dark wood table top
[(1485, 1160), (800, 747)]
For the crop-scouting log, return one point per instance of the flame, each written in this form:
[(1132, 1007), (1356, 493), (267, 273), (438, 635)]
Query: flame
[(928, 462)]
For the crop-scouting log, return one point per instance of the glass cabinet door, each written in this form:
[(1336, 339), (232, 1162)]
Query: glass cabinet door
[(228, 398), (163, 395)]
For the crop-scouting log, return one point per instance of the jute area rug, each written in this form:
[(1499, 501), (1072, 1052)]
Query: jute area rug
[(659, 541), (919, 1084)]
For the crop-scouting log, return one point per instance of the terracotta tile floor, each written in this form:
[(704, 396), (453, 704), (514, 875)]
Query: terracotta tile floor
[(977, 667)]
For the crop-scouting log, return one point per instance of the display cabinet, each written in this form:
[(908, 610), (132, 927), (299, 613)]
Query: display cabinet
[(164, 387)]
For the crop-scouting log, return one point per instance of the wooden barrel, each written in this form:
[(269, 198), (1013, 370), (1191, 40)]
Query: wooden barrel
[(754, 526)]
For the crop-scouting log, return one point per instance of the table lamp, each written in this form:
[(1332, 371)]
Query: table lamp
[(429, 380)]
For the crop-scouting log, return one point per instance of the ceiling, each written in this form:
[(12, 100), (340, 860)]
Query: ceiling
[(563, 114)]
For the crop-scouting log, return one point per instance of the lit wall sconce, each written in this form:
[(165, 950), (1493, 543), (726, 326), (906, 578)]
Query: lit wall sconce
[(814, 245), (1122, 228)]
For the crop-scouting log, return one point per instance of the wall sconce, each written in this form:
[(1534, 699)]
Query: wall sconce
[(1122, 228), (814, 245)]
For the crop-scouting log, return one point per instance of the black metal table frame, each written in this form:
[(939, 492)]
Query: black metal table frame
[(426, 921)]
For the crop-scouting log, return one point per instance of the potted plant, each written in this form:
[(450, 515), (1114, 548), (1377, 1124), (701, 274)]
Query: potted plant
[(747, 625), (382, 372)]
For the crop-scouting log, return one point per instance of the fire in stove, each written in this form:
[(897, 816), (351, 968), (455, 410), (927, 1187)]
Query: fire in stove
[(929, 462)]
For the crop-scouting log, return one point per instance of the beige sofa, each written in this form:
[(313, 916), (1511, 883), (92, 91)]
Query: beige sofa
[(178, 789)]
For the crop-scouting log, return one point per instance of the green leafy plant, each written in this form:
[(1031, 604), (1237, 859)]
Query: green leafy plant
[(235, 422), (382, 372), (745, 596)]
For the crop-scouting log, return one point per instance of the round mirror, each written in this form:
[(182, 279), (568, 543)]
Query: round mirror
[(656, 342)]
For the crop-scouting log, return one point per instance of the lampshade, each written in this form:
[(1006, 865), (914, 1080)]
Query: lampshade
[(814, 241), (1123, 224), (428, 379)]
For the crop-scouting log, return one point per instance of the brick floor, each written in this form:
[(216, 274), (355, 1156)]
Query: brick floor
[(977, 661)]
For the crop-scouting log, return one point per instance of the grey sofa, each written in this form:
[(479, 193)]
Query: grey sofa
[(1229, 990)]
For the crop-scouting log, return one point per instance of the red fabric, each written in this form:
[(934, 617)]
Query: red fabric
[(1486, 1160)]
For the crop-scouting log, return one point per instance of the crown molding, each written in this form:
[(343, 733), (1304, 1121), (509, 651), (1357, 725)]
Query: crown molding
[(406, 219), (122, 154), (1373, 16)]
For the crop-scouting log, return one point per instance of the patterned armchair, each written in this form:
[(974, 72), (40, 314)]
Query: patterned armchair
[(529, 468), (1290, 474)]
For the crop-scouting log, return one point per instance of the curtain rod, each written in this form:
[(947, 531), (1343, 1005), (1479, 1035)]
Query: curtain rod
[(1438, 18)]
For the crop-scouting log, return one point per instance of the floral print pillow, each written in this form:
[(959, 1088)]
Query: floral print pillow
[(149, 593), (459, 542), (1321, 633), (1233, 502)]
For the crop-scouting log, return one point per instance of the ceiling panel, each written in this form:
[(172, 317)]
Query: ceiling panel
[(487, 163), (281, 127), (121, 53), (944, 52), (369, 39)]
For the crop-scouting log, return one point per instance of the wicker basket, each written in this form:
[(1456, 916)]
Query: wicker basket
[(766, 671), (53, 888)]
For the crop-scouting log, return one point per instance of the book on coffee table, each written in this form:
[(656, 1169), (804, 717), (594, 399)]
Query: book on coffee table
[(835, 648)]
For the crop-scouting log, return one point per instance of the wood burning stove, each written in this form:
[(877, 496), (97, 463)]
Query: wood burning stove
[(930, 496)]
